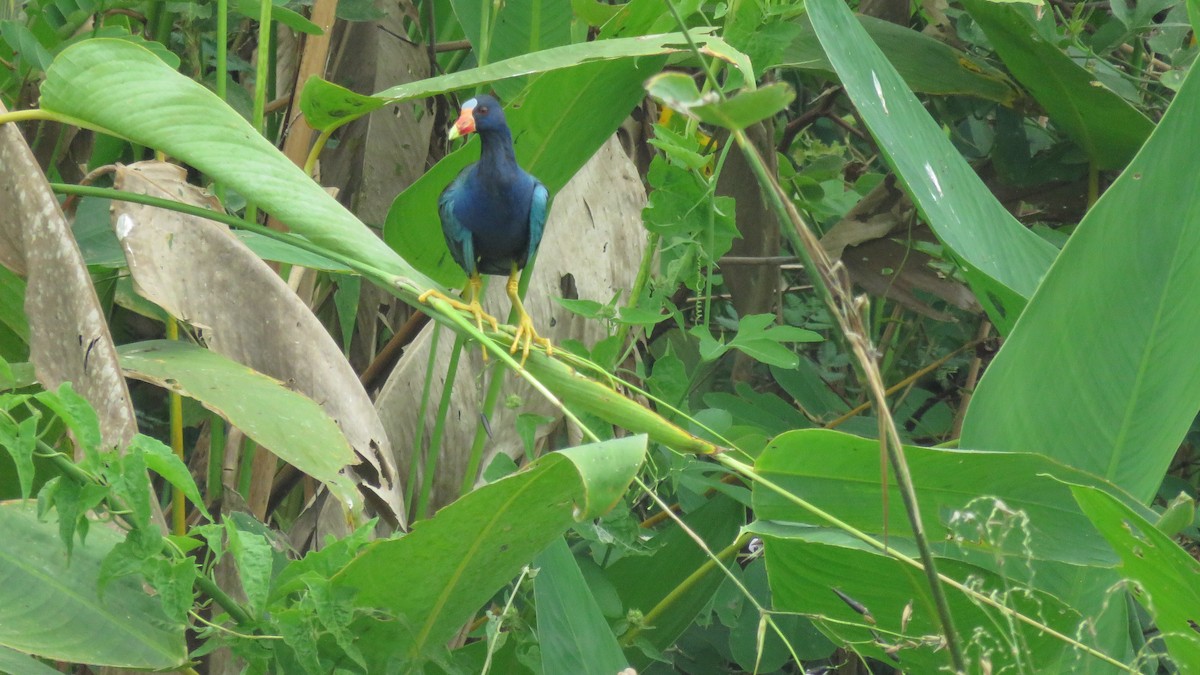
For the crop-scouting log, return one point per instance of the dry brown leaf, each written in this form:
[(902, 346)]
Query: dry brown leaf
[(884, 267), (69, 340), (379, 155), (594, 242), (199, 272)]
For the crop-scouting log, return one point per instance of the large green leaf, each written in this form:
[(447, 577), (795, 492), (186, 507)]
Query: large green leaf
[(291, 425), (327, 105), (573, 635), (1105, 125), (928, 65), (1003, 261), (968, 499), (1100, 372), (126, 89), (519, 27), (12, 661), (435, 578), (809, 566), (1167, 578), (51, 607)]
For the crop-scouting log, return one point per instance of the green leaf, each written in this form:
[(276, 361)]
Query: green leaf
[(253, 9), (435, 578), (76, 413), (710, 348), (678, 91), (1179, 514), (809, 566), (157, 48), (292, 426), (72, 501), (25, 46), (573, 635), (126, 89), (594, 12), (358, 10), (12, 661), (762, 410), (327, 105), (19, 375), (517, 27), (281, 251), (163, 461), (645, 582), (253, 555), (20, 440), (840, 474), (1003, 262), (345, 299), (1165, 576), (928, 65), (765, 344), (52, 609), (12, 303), (1105, 125), (1121, 302)]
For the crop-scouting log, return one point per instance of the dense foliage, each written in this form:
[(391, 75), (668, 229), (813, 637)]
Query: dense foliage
[(874, 339)]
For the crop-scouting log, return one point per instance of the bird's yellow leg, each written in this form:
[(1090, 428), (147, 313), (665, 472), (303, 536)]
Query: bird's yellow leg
[(525, 335), (472, 306)]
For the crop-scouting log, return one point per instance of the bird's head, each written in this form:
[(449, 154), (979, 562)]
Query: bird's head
[(480, 114)]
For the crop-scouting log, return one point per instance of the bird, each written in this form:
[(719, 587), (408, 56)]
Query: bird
[(493, 215)]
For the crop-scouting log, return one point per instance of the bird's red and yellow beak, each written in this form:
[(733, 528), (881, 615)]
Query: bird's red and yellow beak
[(465, 123)]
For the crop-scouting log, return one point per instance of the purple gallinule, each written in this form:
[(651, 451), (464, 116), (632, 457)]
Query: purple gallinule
[(493, 215)]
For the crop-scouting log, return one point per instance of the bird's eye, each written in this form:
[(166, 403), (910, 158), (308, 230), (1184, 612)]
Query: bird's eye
[(481, 110)]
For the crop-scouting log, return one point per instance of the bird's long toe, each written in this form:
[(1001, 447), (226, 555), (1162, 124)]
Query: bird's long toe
[(525, 337), (473, 308)]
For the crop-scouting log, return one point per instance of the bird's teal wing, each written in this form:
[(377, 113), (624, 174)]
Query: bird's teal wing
[(538, 210), (458, 237)]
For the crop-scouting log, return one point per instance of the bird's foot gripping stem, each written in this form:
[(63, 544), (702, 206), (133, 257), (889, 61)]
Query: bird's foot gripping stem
[(471, 307), (525, 336)]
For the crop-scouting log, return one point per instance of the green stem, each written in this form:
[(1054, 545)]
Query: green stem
[(222, 37), (216, 458), (439, 428), (491, 397), (845, 311), (261, 82), (235, 611), (639, 282), (446, 311), (396, 284), (715, 560), (222, 43), (50, 115), (680, 591), (982, 598), (419, 437), (481, 436), (175, 405)]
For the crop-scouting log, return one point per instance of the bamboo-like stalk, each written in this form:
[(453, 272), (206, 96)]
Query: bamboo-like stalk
[(833, 285)]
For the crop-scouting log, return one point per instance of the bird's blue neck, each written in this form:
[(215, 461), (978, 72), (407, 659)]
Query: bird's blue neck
[(496, 159)]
